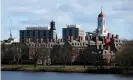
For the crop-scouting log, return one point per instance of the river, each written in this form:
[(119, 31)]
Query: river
[(18, 75)]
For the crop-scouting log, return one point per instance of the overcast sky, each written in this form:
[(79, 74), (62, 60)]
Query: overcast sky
[(118, 15)]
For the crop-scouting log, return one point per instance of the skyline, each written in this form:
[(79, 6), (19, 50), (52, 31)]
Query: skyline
[(118, 15)]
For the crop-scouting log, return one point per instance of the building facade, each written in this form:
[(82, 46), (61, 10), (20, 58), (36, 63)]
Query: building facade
[(38, 34), (72, 32)]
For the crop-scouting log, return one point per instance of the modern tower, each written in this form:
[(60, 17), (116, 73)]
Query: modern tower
[(72, 32), (38, 34)]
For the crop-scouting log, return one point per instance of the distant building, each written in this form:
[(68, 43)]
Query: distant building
[(38, 34), (101, 30), (72, 32)]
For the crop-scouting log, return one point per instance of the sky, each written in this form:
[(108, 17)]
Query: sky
[(18, 14)]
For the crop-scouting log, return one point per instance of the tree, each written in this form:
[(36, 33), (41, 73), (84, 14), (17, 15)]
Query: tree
[(17, 52), (36, 54), (45, 56), (83, 52), (9, 55), (66, 54), (55, 54), (124, 57)]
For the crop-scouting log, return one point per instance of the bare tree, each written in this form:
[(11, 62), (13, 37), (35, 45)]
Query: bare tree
[(55, 54), (17, 54), (45, 56), (36, 54), (83, 53), (9, 55), (124, 57), (66, 54)]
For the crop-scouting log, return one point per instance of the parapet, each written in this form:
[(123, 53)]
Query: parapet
[(37, 28)]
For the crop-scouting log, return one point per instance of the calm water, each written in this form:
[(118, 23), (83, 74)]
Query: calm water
[(9, 75)]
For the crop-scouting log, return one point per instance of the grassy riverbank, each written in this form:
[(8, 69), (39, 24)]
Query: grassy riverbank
[(60, 68), (54, 68)]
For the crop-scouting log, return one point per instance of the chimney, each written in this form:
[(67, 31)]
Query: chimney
[(90, 36), (97, 46), (61, 40), (37, 40), (53, 40), (79, 38), (103, 40), (97, 39), (101, 46), (47, 40), (71, 38), (86, 37), (109, 35), (27, 40), (112, 36), (108, 47), (117, 36), (106, 41), (41, 40)]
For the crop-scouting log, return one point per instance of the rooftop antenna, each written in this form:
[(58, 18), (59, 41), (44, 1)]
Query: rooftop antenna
[(101, 8), (10, 29), (10, 38)]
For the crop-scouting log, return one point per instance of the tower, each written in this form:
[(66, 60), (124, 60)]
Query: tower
[(10, 38), (52, 25), (52, 34), (101, 30)]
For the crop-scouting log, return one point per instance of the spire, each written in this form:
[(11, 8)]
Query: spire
[(10, 30), (101, 8), (101, 14), (10, 38)]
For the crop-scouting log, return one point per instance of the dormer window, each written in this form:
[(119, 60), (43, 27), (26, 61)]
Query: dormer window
[(72, 43)]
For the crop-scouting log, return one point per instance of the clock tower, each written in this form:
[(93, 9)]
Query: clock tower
[(101, 30)]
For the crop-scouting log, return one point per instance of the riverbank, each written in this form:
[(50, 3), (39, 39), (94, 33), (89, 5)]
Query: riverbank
[(60, 68)]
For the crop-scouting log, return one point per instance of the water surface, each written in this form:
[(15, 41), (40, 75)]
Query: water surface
[(18, 75)]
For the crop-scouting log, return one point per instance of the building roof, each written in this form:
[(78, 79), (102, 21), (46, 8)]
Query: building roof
[(73, 26), (37, 28), (101, 14), (76, 43)]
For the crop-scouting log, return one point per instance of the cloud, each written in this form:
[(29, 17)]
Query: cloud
[(118, 14)]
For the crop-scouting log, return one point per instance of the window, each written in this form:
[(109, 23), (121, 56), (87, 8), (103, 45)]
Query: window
[(38, 34), (105, 52), (49, 34), (28, 33), (72, 43), (22, 33), (44, 33), (33, 33)]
